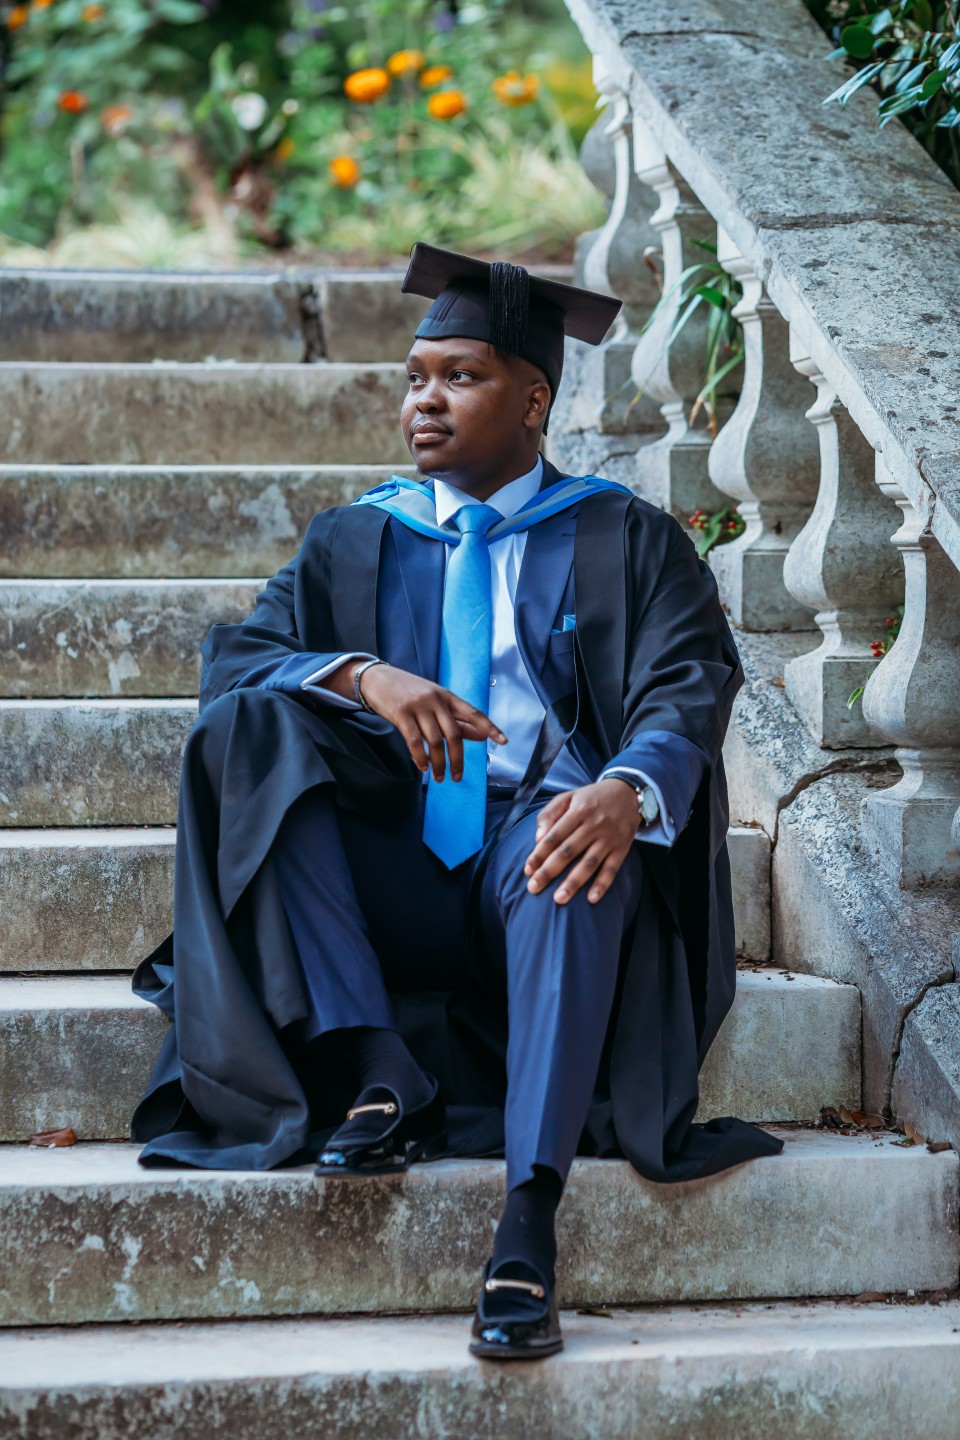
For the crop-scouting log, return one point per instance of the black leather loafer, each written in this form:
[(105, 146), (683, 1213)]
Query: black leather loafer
[(380, 1138), (533, 1336)]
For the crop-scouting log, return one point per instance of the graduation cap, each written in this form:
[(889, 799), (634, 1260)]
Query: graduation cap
[(517, 313)]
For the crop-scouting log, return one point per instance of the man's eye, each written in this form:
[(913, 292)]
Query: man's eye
[(413, 377)]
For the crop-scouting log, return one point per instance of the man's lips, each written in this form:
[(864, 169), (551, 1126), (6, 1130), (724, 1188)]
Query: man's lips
[(429, 434)]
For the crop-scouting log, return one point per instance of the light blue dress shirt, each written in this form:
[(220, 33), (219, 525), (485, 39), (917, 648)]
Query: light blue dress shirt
[(514, 705)]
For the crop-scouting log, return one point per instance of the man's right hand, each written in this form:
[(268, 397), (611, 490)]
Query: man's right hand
[(425, 714)]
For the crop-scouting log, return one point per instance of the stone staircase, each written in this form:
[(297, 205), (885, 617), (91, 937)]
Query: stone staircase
[(163, 447)]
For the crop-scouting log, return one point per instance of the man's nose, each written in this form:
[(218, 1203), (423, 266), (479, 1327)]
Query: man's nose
[(430, 398)]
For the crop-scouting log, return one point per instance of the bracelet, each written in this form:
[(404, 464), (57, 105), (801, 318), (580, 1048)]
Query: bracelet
[(367, 664)]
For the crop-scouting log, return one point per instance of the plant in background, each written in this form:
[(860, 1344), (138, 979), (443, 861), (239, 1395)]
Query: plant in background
[(910, 52), (300, 124), (705, 283), (880, 648), (718, 528), (81, 114)]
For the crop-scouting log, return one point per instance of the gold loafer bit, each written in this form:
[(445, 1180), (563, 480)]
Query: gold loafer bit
[(527, 1285), (386, 1108)]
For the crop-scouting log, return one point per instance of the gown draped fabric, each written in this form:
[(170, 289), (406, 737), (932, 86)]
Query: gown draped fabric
[(651, 653)]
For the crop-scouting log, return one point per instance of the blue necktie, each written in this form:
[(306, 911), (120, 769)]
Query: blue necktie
[(455, 814)]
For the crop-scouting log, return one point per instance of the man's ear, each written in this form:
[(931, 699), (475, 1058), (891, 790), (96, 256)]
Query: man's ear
[(538, 403)]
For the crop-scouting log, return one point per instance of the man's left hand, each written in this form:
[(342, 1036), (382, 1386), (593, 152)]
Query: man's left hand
[(590, 830)]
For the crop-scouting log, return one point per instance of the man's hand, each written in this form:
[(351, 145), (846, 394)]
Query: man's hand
[(425, 714), (594, 827)]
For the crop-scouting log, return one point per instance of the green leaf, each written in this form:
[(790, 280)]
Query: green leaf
[(949, 121), (857, 40), (899, 104), (881, 21), (849, 87), (932, 83), (910, 78), (712, 296), (922, 12), (179, 12)]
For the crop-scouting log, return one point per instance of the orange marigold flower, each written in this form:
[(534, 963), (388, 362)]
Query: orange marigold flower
[(405, 62), (285, 149), (18, 15), (435, 75), (41, 4), (344, 171), (92, 12), (365, 86), (72, 101), (445, 104), (115, 118), (516, 89)]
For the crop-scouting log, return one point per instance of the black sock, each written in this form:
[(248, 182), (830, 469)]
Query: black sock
[(526, 1228), (383, 1059)]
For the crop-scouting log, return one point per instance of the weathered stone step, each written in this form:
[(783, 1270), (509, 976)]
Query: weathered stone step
[(91, 762), (83, 899), (220, 412), (148, 521), (87, 1235), (100, 899), (96, 315), (829, 1369), (77, 1051), (81, 638)]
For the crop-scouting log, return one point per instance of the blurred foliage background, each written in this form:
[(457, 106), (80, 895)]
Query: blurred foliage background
[(186, 133)]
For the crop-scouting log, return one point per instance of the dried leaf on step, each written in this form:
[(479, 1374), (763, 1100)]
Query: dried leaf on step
[(847, 1117), (935, 1146), (594, 1310), (913, 1134), (54, 1138), (831, 1118), (870, 1295), (868, 1120)]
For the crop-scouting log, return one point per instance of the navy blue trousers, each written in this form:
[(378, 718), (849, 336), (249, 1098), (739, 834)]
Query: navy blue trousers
[(372, 910)]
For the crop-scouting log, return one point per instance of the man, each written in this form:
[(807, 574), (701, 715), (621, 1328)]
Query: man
[(451, 867)]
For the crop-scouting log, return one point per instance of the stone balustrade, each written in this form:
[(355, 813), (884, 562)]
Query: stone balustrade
[(835, 235)]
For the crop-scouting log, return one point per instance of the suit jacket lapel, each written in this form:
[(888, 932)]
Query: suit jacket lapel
[(544, 576), (422, 564)]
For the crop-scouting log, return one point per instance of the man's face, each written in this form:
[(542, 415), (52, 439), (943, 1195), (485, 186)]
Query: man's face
[(469, 411)]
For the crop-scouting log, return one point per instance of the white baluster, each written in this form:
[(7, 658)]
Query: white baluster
[(767, 459), (673, 471), (610, 260), (914, 699), (841, 566)]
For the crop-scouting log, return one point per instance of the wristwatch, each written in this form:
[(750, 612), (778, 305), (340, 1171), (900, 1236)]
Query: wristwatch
[(647, 806)]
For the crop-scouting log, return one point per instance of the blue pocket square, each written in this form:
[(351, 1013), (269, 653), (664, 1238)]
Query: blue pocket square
[(569, 623)]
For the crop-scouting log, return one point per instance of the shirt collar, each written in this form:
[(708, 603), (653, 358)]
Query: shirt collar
[(507, 500)]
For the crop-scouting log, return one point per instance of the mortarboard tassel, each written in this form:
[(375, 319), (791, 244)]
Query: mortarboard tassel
[(509, 307)]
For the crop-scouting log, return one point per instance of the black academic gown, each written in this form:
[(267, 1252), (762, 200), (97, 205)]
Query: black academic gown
[(653, 653)]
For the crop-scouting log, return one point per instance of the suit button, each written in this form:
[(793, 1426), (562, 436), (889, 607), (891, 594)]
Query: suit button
[(494, 680)]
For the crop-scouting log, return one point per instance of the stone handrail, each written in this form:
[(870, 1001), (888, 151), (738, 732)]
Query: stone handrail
[(845, 244)]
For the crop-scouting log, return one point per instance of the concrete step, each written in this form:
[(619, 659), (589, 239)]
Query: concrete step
[(79, 638), (148, 521), (83, 899), (222, 412), (91, 762), (97, 315), (100, 899), (86, 1235), (828, 1369), (78, 1050)]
